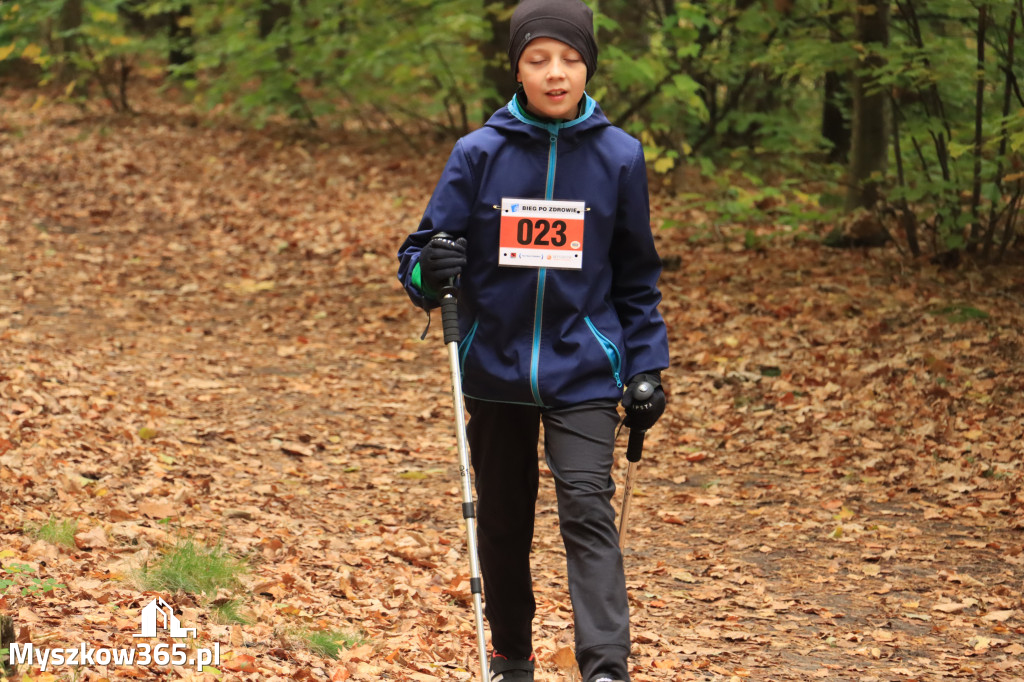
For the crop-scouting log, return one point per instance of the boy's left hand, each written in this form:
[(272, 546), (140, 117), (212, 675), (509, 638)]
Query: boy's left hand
[(643, 415)]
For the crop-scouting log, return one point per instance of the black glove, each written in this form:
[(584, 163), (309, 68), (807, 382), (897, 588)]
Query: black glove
[(441, 260), (643, 415)]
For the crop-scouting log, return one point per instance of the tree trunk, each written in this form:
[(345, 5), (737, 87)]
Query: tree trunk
[(835, 121), (834, 126), (976, 234), (180, 37), (69, 19), (271, 14), (497, 72), (175, 21), (6, 638), (871, 107)]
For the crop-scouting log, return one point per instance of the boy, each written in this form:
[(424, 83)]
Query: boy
[(551, 245)]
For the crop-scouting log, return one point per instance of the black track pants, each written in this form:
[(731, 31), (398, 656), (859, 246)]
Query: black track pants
[(578, 444)]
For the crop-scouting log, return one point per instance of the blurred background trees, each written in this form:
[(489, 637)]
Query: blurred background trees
[(855, 121)]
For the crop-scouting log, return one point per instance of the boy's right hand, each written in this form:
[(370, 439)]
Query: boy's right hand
[(441, 260)]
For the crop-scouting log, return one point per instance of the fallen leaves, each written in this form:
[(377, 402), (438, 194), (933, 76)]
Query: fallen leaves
[(220, 350), (157, 510), (1000, 616), (96, 538)]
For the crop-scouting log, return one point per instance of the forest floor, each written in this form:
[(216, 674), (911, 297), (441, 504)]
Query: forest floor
[(202, 337)]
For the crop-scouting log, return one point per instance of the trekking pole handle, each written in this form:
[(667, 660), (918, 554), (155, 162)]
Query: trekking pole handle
[(635, 448), (449, 303)]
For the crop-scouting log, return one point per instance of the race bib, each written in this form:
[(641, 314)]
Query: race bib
[(539, 233)]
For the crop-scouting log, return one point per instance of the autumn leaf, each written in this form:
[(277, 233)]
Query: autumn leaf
[(95, 538), (157, 510), (243, 663), (999, 616), (564, 659)]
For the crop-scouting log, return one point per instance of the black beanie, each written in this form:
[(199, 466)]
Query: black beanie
[(569, 21)]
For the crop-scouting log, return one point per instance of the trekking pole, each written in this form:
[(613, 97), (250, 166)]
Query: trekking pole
[(450, 325), (634, 451)]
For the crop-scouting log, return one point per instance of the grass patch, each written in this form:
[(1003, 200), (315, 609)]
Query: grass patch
[(229, 613), (193, 569), (327, 643), (958, 314), (55, 531)]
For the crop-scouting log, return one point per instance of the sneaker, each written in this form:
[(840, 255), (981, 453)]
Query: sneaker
[(511, 670), (603, 678)]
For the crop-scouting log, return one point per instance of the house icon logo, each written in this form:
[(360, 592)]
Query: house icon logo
[(159, 612)]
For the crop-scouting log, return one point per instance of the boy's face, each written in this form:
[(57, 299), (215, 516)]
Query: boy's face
[(553, 76)]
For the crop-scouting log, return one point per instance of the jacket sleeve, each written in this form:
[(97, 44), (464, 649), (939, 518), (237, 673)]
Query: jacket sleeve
[(447, 211), (636, 268)]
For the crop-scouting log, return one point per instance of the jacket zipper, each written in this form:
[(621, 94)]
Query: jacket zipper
[(542, 273), (609, 348)]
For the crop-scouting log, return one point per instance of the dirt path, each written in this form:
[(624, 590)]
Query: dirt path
[(201, 336)]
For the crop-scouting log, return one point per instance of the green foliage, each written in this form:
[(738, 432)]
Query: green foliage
[(20, 574), (960, 313), (259, 76), (193, 569), (55, 531), (708, 77), (77, 51), (383, 61), (748, 77), (949, 178), (771, 202), (390, 61), (327, 643), (708, 82)]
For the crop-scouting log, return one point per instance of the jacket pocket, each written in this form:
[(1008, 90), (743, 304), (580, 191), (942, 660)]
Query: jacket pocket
[(610, 350)]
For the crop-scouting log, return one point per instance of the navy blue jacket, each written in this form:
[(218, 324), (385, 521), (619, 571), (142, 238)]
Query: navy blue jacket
[(544, 336)]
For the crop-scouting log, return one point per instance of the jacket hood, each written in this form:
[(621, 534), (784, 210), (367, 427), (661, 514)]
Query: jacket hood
[(513, 119)]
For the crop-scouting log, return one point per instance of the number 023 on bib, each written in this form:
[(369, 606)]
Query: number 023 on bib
[(537, 233)]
